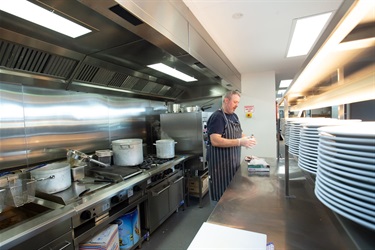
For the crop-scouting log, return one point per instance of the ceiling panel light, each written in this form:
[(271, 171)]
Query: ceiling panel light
[(281, 91), (306, 31), (285, 83), (172, 72), (38, 15)]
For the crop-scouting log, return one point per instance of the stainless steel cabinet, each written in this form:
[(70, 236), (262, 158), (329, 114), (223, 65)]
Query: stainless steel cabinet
[(158, 204), (189, 130), (164, 199), (176, 192), (57, 237)]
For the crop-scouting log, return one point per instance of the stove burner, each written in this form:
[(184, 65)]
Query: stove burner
[(150, 161)]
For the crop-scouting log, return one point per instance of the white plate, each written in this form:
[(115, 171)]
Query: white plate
[(310, 162), (308, 169), (369, 168), (341, 210), (358, 129), (305, 156), (349, 169), (348, 190), (348, 206), (341, 171), (351, 158), (361, 187), (307, 138), (348, 146), (309, 131), (350, 140), (346, 151), (311, 149)]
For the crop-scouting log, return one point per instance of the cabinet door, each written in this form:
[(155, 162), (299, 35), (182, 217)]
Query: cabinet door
[(158, 204), (176, 192)]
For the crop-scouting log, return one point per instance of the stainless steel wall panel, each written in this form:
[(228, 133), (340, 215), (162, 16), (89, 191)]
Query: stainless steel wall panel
[(38, 125), (12, 130), (56, 120), (127, 118)]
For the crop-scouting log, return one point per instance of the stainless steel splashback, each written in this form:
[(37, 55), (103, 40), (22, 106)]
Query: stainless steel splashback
[(38, 125)]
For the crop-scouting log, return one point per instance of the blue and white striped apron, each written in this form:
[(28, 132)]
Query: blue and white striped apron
[(223, 163)]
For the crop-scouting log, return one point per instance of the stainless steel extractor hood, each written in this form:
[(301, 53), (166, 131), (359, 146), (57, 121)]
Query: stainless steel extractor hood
[(111, 60)]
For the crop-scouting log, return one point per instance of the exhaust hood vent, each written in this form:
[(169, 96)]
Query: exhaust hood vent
[(123, 13), (97, 75), (19, 57)]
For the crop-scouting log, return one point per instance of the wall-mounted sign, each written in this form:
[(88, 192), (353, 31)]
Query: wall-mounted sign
[(249, 110)]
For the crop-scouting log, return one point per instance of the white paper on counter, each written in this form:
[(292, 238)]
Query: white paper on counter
[(212, 236)]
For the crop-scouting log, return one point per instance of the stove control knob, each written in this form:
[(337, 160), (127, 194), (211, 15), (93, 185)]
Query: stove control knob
[(85, 215), (115, 199)]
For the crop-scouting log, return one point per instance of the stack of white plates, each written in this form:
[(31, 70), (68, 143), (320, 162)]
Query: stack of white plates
[(295, 127), (309, 140), (345, 180), (288, 123), (294, 137)]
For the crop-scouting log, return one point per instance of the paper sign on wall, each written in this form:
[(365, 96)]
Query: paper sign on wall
[(249, 110)]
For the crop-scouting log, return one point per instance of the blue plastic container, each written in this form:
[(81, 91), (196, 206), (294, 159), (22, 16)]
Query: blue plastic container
[(128, 229)]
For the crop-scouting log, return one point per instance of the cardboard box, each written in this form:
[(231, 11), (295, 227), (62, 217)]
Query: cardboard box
[(107, 239), (194, 185)]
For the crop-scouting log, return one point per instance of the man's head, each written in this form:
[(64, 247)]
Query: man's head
[(230, 101)]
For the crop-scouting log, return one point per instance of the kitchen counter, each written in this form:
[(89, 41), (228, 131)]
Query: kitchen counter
[(297, 221), (56, 213)]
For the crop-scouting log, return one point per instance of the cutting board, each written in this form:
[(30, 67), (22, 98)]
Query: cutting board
[(212, 236)]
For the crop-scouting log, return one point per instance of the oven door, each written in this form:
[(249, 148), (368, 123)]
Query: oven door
[(158, 200), (176, 192)]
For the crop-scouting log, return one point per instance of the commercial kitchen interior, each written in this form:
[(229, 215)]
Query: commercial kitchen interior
[(84, 92)]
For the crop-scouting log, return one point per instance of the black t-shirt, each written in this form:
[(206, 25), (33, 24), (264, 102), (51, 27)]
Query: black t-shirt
[(216, 123)]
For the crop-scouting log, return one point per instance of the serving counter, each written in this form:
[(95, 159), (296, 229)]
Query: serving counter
[(299, 220)]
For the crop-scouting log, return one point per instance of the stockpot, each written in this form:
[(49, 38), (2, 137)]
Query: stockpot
[(165, 149), (52, 178), (127, 152)]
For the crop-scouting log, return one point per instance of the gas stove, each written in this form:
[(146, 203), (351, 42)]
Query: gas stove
[(97, 178)]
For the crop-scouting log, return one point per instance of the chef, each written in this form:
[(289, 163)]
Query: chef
[(225, 139)]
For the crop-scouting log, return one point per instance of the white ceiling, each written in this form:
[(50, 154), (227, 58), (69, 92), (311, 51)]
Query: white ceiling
[(258, 40)]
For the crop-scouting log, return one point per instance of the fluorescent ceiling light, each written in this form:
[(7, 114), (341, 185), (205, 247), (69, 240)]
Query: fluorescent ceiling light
[(281, 91), (285, 83), (38, 15), (306, 31), (172, 72)]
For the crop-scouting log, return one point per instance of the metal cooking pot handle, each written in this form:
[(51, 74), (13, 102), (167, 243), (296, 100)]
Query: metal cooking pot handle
[(43, 179), (124, 146), (98, 162)]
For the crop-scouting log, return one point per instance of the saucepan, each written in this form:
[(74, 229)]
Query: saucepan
[(75, 158)]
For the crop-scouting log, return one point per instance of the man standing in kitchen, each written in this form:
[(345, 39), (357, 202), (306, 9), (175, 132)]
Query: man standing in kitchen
[(225, 138)]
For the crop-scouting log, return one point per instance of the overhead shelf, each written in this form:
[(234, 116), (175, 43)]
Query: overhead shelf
[(340, 68)]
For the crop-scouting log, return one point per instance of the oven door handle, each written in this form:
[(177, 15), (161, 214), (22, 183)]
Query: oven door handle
[(161, 191), (179, 179)]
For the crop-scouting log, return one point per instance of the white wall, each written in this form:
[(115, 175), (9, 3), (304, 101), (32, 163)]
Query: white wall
[(258, 89)]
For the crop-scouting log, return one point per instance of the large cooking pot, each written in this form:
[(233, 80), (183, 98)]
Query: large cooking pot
[(165, 149), (127, 152), (192, 109), (52, 178)]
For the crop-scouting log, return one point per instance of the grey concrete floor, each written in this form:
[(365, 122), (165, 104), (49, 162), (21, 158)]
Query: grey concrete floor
[(177, 232)]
